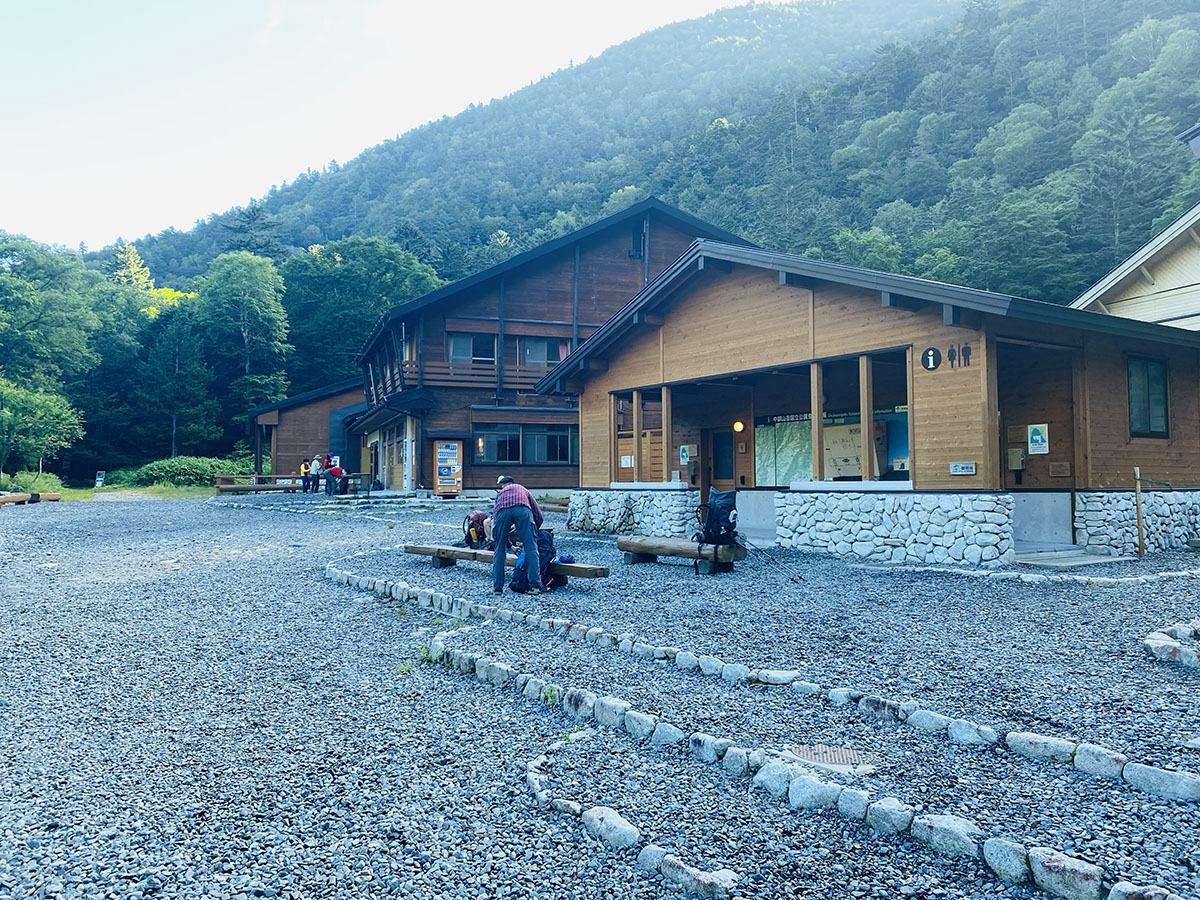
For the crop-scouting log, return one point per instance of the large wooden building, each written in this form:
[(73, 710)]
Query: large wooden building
[(747, 369), (449, 376), (304, 425)]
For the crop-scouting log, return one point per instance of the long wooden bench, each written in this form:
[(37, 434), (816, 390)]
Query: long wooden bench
[(16, 499), (255, 488), (643, 548), (443, 555), (44, 497)]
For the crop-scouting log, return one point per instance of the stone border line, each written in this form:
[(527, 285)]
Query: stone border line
[(1095, 759), (1164, 643), (781, 775), (1038, 578)]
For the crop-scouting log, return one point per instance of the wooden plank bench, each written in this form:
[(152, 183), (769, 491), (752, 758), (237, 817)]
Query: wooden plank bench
[(44, 498), (644, 548), (443, 555), (255, 488), (16, 499)]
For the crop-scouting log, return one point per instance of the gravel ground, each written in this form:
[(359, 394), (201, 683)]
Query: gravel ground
[(191, 711)]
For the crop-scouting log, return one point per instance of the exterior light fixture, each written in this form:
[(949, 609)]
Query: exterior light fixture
[(739, 427)]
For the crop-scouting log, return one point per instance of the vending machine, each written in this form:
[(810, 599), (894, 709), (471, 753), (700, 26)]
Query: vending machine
[(449, 460)]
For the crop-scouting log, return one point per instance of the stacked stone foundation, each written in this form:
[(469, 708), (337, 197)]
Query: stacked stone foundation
[(661, 513), (1106, 521)]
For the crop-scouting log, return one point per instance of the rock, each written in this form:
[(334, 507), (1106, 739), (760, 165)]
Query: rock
[(1097, 760), (928, 720), (645, 651), (533, 688), (889, 816), (842, 696), (1008, 859), (1124, 890), (610, 711), (907, 708), (626, 645), (551, 694), (1163, 782), (606, 640), (852, 803), (501, 674), (888, 710), (650, 858), (640, 725), (948, 835), (570, 807), (806, 687), (710, 665), (735, 672), (592, 634), (580, 704), (775, 676), (576, 632), (1038, 746), (707, 748), (963, 731), (775, 778), (610, 826), (736, 762), (810, 792), (689, 662), (718, 884), (1064, 876), (666, 734)]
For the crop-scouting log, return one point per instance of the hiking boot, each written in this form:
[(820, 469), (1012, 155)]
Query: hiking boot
[(497, 591)]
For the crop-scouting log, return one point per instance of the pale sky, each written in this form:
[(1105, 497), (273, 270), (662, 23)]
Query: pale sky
[(121, 119)]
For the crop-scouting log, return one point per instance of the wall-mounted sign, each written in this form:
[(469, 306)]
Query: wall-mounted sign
[(958, 355), (627, 461), (931, 358), (1016, 434), (1060, 470), (963, 468), (685, 455), (1039, 440)]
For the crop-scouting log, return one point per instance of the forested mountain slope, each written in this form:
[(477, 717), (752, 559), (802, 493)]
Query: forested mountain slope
[(467, 191)]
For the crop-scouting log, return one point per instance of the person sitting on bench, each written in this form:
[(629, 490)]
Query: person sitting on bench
[(515, 507)]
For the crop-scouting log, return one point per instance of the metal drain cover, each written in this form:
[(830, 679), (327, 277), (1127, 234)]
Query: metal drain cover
[(835, 759)]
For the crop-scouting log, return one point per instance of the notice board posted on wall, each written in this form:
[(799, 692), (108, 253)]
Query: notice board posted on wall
[(843, 449)]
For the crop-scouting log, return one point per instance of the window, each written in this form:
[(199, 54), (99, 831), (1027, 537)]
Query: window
[(638, 246), (544, 353), (550, 445), (1147, 398), (497, 443), (531, 445), (478, 349)]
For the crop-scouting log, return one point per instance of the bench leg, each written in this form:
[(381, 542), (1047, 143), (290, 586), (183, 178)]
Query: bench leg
[(632, 559), (712, 567), (442, 562), (561, 580)]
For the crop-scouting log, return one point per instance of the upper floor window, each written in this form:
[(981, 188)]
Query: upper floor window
[(544, 352), (1148, 398), (479, 349)]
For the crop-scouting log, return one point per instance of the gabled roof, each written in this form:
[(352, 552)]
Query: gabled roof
[(309, 396), (659, 292), (1140, 257), (651, 204)]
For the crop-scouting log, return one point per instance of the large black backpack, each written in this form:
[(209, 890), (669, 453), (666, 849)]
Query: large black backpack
[(546, 553), (721, 520)]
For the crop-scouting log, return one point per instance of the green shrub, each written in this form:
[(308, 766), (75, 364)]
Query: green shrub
[(31, 482), (190, 471), (125, 477)]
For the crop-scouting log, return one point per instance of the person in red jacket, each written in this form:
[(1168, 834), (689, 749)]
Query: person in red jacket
[(333, 474), (516, 508)]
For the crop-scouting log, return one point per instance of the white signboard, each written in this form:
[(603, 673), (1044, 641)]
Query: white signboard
[(627, 462), (684, 456), (962, 468), (1039, 439)]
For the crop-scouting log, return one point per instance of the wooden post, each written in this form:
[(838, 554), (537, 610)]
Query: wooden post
[(1137, 495), (500, 341), (614, 461), (258, 448), (818, 422), (669, 455), (912, 431), (637, 435), (866, 418)]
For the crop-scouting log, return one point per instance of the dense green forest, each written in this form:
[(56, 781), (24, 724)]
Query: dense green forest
[(1025, 146)]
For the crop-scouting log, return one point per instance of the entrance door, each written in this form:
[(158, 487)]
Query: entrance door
[(720, 459)]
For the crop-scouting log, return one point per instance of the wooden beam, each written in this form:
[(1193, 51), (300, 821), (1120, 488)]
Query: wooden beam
[(1195, 237), (668, 443), (818, 423), (500, 341), (898, 301), (1146, 273), (575, 302), (866, 418), (637, 435), (960, 318), (717, 265), (613, 460), (649, 319), (794, 280), (597, 365), (909, 360)]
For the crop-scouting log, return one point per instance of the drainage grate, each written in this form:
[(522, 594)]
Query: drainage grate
[(823, 754)]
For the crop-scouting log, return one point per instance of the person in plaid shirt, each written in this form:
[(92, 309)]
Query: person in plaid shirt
[(516, 508)]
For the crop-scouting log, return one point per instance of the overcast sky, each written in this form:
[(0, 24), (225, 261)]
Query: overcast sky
[(124, 118)]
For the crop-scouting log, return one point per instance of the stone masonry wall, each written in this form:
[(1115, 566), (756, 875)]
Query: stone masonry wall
[(1106, 521), (661, 513), (975, 529)]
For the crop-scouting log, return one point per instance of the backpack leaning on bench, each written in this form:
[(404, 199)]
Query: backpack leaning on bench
[(720, 522)]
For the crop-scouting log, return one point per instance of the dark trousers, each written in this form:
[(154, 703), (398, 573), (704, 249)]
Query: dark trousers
[(520, 517), (330, 484)]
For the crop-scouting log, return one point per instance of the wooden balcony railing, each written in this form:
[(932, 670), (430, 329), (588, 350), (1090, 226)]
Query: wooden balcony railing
[(444, 374)]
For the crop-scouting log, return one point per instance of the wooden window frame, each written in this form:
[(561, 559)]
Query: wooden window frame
[(1147, 362), (472, 336)]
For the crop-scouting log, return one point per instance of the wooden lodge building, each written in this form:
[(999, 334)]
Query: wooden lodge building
[(449, 376), (993, 420), (307, 424)]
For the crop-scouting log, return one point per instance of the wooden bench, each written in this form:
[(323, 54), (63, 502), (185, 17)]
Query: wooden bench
[(252, 484), (255, 488), (643, 548), (16, 499), (44, 498), (443, 555)]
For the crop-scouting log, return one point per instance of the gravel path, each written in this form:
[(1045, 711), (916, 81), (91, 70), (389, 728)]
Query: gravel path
[(187, 709)]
